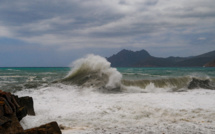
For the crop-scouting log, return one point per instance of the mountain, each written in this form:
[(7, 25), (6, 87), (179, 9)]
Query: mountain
[(128, 58), (197, 61)]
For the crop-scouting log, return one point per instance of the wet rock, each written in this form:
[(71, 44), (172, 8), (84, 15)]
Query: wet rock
[(196, 83), (11, 126), (6, 106), (28, 103), (9, 122), (4, 120), (8, 98), (22, 112), (1, 108), (13, 109), (50, 128)]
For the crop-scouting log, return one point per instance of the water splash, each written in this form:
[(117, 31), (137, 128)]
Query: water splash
[(94, 71)]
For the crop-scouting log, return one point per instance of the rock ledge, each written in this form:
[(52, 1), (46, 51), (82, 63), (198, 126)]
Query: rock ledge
[(13, 109)]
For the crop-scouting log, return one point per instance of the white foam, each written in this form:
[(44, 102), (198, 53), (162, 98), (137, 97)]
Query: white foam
[(13, 70), (86, 111), (15, 76), (150, 88), (30, 78)]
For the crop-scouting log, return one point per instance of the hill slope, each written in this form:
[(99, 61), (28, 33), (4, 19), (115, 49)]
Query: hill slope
[(127, 58), (142, 58)]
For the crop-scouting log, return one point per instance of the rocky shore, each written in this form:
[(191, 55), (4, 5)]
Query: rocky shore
[(13, 109), (210, 64)]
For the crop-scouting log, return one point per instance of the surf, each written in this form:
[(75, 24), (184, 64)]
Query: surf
[(95, 71)]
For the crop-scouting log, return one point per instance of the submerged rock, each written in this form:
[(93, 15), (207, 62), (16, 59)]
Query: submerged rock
[(13, 109), (196, 83)]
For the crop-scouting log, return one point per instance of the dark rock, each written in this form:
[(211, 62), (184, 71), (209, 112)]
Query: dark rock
[(196, 83), (9, 123), (15, 102), (4, 120), (12, 126), (13, 109), (21, 112), (50, 128), (28, 103), (1, 108), (7, 108)]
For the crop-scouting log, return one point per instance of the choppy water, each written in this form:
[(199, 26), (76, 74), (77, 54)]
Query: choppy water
[(92, 97), (14, 79)]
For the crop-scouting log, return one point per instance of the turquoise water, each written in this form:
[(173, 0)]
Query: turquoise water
[(13, 79), (159, 73)]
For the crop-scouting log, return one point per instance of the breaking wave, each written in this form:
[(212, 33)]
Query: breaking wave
[(95, 71)]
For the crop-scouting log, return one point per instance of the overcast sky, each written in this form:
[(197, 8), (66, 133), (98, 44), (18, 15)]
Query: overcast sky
[(56, 32)]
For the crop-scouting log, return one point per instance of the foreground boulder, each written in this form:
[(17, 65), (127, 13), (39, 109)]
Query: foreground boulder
[(27, 102), (50, 128), (13, 109), (11, 125)]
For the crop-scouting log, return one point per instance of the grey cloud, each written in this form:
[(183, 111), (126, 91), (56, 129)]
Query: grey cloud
[(151, 2), (72, 23)]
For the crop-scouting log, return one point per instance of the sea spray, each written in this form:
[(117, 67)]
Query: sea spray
[(94, 71), (93, 112)]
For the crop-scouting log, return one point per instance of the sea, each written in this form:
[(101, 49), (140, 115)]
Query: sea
[(91, 97)]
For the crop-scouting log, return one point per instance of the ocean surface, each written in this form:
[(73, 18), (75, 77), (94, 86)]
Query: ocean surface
[(92, 97)]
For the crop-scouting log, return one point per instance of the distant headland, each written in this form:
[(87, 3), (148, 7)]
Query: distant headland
[(128, 58)]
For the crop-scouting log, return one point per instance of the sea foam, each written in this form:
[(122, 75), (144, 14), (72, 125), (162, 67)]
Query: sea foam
[(81, 110)]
